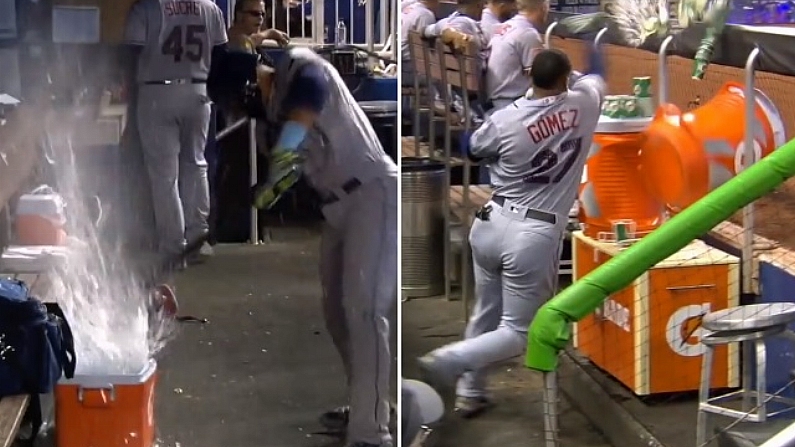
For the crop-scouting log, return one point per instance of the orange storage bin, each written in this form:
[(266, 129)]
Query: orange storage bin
[(40, 218), (611, 188), (110, 411), (687, 155)]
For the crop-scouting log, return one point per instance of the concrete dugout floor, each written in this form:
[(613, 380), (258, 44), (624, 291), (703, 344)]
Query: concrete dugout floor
[(517, 419), (263, 369)]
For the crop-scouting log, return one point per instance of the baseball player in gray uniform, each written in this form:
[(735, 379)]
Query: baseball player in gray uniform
[(174, 41), (513, 46), (326, 136), (494, 14), (416, 15), (536, 149)]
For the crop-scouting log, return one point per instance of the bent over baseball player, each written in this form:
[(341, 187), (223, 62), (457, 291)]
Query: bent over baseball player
[(174, 43), (326, 136), (536, 149)]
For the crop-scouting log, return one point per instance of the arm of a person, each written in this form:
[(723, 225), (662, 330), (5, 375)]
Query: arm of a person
[(592, 84), (303, 103), (528, 45), (432, 29), (485, 142)]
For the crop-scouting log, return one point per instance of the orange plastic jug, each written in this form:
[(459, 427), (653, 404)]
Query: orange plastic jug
[(611, 188), (687, 155)]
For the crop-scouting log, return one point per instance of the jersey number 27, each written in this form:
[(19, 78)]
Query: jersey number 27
[(185, 40), (551, 166)]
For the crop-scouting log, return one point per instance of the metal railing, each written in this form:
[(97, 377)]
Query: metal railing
[(314, 22), (252, 157)]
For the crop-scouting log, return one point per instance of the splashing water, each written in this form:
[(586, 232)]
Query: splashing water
[(108, 308)]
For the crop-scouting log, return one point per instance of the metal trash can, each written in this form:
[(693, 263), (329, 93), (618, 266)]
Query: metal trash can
[(422, 215), (383, 117)]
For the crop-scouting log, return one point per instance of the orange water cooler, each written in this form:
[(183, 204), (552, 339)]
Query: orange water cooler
[(109, 411), (611, 188), (687, 155)]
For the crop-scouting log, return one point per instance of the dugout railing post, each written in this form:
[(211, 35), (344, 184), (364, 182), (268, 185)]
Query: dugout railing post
[(252, 157), (749, 158), (662, 71)]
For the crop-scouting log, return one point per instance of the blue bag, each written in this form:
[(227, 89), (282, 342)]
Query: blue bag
[(36, 346)]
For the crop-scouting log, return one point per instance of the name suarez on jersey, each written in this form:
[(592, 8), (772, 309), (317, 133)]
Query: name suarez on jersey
[(182, 8), (552, 124)]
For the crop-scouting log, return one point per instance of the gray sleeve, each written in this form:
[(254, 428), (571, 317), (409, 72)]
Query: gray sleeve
[(135, 27), (486, 141), (432, 29), (218, 28), (529, 44), (590, 86)]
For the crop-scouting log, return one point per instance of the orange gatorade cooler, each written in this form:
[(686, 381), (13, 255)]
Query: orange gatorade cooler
[(687, 155), (109, 411), (40, 218), (611, 189)]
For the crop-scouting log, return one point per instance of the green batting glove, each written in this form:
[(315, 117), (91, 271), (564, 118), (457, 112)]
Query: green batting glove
[(284, 174)]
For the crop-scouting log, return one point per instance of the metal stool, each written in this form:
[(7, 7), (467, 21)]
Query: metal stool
[(749, 326)]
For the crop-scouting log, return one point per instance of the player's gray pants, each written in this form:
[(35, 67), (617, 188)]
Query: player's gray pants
[(173, 122), (516, 266), (359, 276)]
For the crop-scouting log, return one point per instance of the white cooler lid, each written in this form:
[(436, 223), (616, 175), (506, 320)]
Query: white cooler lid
[(622, 125)]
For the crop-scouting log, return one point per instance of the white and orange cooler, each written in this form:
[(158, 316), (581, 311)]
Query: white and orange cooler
[(40, 218), (611, 188), (107, 411)]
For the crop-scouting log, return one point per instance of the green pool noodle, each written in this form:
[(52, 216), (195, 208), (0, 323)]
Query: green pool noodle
[(550, 331)]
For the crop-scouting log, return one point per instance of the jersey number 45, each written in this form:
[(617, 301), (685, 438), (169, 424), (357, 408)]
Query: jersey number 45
[(185, 40)]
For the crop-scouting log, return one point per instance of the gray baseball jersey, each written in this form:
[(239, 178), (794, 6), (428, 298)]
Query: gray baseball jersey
[(344, 144), (489, 23), (177, 36), (513, 46), (359, 244), (538, 147), (414, 16)]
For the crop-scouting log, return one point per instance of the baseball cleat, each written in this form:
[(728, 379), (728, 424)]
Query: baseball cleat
[(337, 419), (434, 373), (469, 407)]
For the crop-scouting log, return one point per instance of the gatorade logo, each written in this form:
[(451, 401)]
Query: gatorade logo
[(684, 330)]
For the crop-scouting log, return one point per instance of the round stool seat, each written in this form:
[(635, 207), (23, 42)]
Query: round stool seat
[(750, 317), (726, 337)]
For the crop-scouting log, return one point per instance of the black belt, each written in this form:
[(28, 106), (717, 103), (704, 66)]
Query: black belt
[(176, 81), (543, 216), (350, 186)]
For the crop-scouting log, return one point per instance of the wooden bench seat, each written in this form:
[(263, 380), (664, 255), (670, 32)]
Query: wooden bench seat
[(12, 409)]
